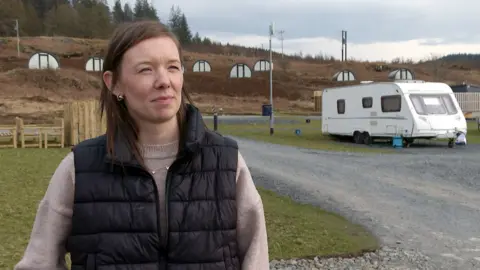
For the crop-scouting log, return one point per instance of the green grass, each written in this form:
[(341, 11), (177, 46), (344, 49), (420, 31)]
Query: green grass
[(473, 134), (294, 230), (304, 231), (311, 135), (24, 177)]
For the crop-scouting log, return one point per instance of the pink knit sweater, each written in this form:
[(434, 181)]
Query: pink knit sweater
[(46, 249)]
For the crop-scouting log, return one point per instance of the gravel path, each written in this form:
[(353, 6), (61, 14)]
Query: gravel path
[(423, 204)]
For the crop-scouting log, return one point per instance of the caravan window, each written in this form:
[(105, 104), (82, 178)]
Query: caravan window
[(418, 104), (433, 104), (367, 102), (391, 103), (341, 106), (448, 102)]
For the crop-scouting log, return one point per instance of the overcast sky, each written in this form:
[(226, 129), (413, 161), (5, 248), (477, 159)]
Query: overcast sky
[(377, 29)]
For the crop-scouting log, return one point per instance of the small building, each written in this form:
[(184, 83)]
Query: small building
[(462, 88), (401, 74), (344, 76), (43, 60), (468, 97)]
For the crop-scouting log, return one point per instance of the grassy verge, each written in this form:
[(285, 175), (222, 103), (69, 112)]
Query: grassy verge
[(294, 230), (311, 135), (304, 231), (473, 134)]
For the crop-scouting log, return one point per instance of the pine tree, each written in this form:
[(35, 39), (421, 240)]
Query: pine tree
[(144, 11), (140, 10), (62, 20), (185, 35), (10, 10), (85, 18), (118, 13), (174, 19), (129, 15), (207, 41), (33, 26), (152, 12), (178, 24), (94, 19), (196, 39)]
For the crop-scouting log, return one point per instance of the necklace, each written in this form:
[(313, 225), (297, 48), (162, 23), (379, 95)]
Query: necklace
[(162, 168)]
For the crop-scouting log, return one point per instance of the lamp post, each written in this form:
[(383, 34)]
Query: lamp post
[(271, 33), (17, 28)]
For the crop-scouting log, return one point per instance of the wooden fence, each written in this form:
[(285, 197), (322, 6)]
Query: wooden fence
[(468, 101), (317, 99), (82, 121)]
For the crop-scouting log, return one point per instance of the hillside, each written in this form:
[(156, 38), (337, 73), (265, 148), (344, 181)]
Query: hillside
[(467, 58), (38, 94)]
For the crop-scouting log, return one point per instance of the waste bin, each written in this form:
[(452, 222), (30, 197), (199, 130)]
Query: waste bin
[(266, 110)]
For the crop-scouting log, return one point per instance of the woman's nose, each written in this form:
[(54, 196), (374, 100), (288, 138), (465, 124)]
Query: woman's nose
[(162, 79)]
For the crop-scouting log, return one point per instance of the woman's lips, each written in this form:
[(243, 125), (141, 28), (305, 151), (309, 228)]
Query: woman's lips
[(163, 100)]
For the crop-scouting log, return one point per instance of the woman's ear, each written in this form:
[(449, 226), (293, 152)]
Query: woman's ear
[(108, 81)]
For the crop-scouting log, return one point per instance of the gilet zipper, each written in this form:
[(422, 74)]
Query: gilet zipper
[(157, 199), (164, 240), (167, 199)]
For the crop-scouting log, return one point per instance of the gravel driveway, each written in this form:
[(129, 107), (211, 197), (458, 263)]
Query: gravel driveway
[(422, 200)]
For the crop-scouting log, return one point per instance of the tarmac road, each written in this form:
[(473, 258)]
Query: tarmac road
[(423, 200)]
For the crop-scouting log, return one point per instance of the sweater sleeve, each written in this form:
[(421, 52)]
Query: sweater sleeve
[(46, 248), (251, 228)]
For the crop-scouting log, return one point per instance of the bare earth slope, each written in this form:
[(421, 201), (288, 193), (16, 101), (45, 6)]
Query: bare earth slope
[(36, 95)]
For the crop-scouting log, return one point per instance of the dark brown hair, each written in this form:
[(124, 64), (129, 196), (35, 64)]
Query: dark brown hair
[(119, 121)]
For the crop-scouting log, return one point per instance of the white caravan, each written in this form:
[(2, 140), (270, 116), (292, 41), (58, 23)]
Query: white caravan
[(411, 109)]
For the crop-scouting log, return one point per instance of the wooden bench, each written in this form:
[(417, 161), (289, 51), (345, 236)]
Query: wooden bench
[(54, 134), (8, 134), (41, 135), (29, 135)]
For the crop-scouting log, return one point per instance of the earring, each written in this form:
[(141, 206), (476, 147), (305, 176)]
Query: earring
[(120, 97)]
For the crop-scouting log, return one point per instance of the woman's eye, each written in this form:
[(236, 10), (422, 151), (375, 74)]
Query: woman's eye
[(175, 67)]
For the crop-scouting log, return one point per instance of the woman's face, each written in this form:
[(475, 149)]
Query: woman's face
[(151, 80)]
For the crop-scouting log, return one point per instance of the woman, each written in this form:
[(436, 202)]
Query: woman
[(158, 190)]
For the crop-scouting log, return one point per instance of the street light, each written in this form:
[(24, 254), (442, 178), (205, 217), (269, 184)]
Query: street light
[(271, 33)]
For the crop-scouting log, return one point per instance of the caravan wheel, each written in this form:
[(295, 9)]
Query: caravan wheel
[(367, 139), (357, 137), (407, 142)]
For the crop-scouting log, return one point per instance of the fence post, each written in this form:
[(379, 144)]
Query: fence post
[(215, 121)]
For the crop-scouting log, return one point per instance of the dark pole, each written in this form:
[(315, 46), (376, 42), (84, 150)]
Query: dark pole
[(271, 79), (344, 45), (346, 56), (215, 121)]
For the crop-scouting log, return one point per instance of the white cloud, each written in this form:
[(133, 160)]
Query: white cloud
[(412, 49), (377, 29)]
